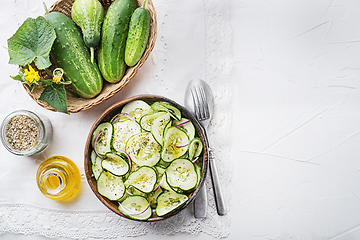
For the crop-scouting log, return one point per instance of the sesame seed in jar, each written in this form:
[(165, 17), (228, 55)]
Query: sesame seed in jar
[(21, 132)]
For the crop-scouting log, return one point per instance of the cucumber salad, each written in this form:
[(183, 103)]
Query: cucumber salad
[(146, 158)]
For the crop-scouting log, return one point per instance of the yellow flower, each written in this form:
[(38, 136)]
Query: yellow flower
[(31, 75)]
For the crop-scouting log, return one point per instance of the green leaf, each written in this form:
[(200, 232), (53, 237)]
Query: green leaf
[(19, 77), (55, 95), (32, 42)]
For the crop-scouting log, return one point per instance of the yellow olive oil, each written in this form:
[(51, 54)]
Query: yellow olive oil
[(58, 178)]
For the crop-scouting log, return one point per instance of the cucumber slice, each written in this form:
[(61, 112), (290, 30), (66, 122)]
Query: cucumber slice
[(195, 148), (143, 149), (110, 186), (136, 207), (165, 106), (169, 201), (147, 119), (93, 157), (101, 138), (122, 132), (181, 174), (115, 164), (175, 145), (143, 179), (134, 191), (187, 126), (137, 109), (121, 117), (158, 126), (152, 197), (97, 168), (162, 178), (198, 172)]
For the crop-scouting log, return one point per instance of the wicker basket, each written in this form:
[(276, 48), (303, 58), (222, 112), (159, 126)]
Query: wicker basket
[(76, 104)]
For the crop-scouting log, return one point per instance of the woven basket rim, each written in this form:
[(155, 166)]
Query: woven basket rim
[(75, 104)]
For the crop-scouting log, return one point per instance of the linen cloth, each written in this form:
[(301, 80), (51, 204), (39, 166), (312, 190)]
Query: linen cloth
[(193, 41)]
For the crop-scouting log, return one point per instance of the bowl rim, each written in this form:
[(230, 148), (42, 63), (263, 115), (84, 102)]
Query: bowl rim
[(107, 115)]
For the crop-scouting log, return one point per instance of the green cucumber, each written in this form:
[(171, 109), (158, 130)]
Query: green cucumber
[(114, 33), (143, 179), (182, 174), (97, 167), (138, 35), (195, 148), (122, 132), (136, 207), (147, 119), (115, 164), (89, 15), (137, 109), (102, 137), (71, 54), (158, 127), (176, 143), (110, 186), (168, 202), (143, 149)]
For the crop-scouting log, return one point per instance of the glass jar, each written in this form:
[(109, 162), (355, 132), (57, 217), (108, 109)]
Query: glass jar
[(24, 133), (58, 178)]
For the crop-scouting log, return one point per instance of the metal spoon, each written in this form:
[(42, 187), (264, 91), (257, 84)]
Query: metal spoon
[(199, 101)]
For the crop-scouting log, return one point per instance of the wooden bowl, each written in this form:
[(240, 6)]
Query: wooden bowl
[(107, 116), (76, 104)]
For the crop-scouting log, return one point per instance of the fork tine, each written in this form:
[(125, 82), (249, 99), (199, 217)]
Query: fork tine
[(200, 102), (205, 103), (196, 102)]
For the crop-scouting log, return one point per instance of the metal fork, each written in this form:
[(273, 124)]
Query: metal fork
[(204, 107)]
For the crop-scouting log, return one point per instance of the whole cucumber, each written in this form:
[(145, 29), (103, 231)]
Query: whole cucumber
[(89, 15), (70, 53), (138, 35), (114, 33)]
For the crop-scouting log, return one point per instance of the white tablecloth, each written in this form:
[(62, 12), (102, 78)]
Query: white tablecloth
[(289, 158), (193, 42)]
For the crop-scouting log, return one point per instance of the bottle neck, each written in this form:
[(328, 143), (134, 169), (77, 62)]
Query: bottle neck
[(53, 180)]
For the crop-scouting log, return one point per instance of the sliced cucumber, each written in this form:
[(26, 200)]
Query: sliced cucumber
[(136, 207), (122, 132), (160, 169), (195, 148), (143, 179), (121, 117), (147, 119), (181, 174), (97, 168), (176, 143), (152, 197), (115, 164), (187, 126), (158, 127), (162, 178), (143, 149), (165, 106), (198, 172), (159, 146), (110, 186), (134, 191), (137, 109), (93, 157), (101, 138), (169, 201)]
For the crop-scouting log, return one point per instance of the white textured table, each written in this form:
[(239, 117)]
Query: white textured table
[(294, 159)]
